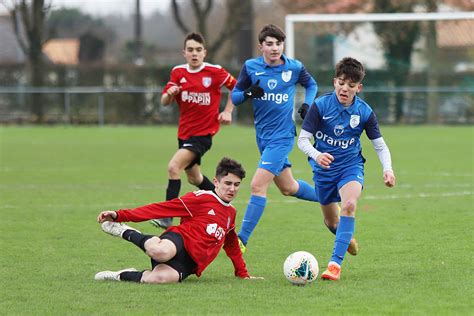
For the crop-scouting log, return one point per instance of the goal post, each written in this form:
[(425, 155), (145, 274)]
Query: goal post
[(421, 64), (291, 19)]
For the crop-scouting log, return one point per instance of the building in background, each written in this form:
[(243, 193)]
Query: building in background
[(10, 50)]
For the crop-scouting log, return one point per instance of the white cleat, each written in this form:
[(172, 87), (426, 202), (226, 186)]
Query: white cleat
[(111, 275), (115, 229)]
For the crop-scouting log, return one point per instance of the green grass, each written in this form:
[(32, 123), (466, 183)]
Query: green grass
[(416, 239)]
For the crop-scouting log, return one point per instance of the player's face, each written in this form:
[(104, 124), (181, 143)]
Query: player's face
[(271, 49), (227, 187), (346, 89), (194, 54)]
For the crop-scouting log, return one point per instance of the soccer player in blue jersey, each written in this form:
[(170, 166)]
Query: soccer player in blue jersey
[(270, 82), (335, 121)]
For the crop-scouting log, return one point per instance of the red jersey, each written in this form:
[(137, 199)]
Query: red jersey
[(207, 224), (199, 98)]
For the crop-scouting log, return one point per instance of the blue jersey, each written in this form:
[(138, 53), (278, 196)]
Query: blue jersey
[(273, 113), (337, 129)]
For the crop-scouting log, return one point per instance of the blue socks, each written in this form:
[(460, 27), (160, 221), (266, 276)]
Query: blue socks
[(252, 216), (306, 192), (344, 233), (257, 204)]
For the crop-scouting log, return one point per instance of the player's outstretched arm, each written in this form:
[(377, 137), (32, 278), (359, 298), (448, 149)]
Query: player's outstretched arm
[(106, 216), (225, 117), (389, 178), (386, 160), (168, 96)]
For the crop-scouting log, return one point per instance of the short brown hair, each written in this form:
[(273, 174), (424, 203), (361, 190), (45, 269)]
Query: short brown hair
[(272, 31), (226, 166), (351, 69), (196, 37)]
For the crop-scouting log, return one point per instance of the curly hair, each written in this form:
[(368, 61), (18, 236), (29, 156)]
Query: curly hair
[(226, 166), (350, 68)]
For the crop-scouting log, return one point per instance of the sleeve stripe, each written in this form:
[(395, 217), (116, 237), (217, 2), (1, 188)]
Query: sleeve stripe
[(225, 80), (187, 209)]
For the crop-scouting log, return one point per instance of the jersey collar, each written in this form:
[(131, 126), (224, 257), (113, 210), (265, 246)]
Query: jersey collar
[(195, 70), (284, 65), (341, 108)]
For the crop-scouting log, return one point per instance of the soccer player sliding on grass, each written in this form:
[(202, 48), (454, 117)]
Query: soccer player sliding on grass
[(207, 225), (336, 120)]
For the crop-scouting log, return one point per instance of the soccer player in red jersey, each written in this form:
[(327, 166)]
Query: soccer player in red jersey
[(196, 88), (207, 225)]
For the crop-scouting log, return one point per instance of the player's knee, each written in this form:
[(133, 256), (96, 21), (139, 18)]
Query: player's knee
[(157, 252), (173, 169), (286, 191), (154, 278), (349, 207), (194, 180), (257, 188)]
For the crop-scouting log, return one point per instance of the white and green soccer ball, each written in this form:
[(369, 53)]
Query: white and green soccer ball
[(301, 268)]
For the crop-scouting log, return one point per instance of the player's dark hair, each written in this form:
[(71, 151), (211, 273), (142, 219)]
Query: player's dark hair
[(350, 68), (272, 31), (196, 37), (226, 166)]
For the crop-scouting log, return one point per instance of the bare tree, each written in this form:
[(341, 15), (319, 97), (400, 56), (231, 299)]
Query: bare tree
[(237, 10), (28, 18)]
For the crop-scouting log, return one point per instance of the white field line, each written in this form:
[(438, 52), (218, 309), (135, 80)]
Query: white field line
[(288, 200), (428, 175), (163, 186), (308, 171)]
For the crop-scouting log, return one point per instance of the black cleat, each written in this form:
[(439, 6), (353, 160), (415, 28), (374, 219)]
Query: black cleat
[(164, 223)]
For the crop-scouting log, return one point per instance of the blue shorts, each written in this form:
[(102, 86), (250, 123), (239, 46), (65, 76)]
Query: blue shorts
[(328, 184), (274, 154)]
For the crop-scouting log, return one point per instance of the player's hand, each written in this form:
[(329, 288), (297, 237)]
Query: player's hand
[(324, 160), (254, 91), (225, 117), (107, 216), (389, 178), (303, 110), (173, 90)]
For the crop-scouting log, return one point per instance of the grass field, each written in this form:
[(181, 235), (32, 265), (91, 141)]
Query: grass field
[(416, 239)]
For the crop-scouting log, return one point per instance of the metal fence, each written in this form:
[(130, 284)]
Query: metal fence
[(100, 105)]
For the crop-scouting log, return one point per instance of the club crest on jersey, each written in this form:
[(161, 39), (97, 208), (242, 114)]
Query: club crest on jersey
[(355, 120), (206, 81), (272, 83), (286, 75), (338, 130)]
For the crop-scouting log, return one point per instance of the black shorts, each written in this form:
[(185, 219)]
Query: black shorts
[(198, 145), (181, 262)]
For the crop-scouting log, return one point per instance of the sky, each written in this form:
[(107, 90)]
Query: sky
[(106, 7)]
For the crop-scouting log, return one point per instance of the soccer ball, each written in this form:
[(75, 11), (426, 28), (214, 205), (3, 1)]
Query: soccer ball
[(300, 268)]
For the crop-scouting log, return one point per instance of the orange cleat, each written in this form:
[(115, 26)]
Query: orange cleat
[(353, 248), (333, 272)]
